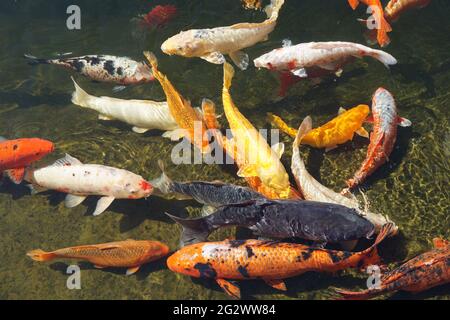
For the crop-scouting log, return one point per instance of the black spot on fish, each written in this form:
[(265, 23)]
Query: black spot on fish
[(250, 252), (243, 270), (205, 270), (77, 65), (95, 61), (337, 257), (236, 243), (307, 254), (15, 147), (120, 71), (109, 66)]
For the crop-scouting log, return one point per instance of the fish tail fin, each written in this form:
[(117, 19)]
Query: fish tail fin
[(304, 128), (273, 9), (353, 295), (79, 96), (32, 60), (353, 3), (370, 255), (194, 230), (163, 183), (384, 57), (41, 255), (383, 27), (228, 74)]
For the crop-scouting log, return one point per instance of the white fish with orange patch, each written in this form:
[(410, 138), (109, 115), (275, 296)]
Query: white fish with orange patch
[(212, 44), (80, 180)]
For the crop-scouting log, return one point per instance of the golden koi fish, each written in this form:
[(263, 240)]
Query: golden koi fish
[(180, 108), (337, 131)]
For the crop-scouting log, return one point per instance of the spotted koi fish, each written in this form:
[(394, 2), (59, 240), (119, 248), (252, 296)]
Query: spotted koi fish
[(315, 59), (16, 155), (383, 137), (337, 131), (212, 44), (131, 254), (103, 68), (313, 190), (267, 260), (80, 180), (316, 221), (421, 273)]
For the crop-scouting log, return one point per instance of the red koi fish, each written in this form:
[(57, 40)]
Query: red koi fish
[(16, 155), (160, 16), (421, 273), (382, 140)]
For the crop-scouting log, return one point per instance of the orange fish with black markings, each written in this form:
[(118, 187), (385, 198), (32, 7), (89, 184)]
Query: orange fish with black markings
[(421, 273), (268, 260), (16, 155), (129, 254)]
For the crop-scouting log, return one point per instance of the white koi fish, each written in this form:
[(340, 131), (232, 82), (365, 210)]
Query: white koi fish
[(143, 115), (80, 180), (212, 44), (315, 191)]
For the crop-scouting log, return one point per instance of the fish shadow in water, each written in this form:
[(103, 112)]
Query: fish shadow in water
[(443, 290), (27, 100), (17, 191), (412, 73)]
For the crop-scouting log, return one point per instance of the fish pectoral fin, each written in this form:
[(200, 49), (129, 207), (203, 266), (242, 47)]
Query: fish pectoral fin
[(330, 148), (99, 266), (300, 72), (247, 171), (102, 205), (339, 72), (174, 135), (68, 160), (240, 59), (341, 110), (403, 122), (439, 243), (35, 189), (16, 175), (132, 270), (72, 200), (230, 288), (104, 118), (362, 132), (276, 284), (214, 57), (139, 130), (278, 148)]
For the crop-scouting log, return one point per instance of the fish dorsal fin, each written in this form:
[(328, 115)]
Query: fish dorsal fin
[(68, 160), (278, 149), (286, 43), (341, 110), (230, 288)]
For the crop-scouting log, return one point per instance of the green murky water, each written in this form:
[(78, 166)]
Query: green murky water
[(35, 101)]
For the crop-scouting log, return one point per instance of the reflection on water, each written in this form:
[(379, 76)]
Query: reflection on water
[(35, 101)]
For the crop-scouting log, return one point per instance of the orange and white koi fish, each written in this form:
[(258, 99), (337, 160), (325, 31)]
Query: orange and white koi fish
[(383, 137), (335, 132), (270, 261), (379, 21), (187, 118), (131, 254), (80, 180), (395, 8), (212, 44), (312, 189), (261, 160), (16, 155), (421, 273)]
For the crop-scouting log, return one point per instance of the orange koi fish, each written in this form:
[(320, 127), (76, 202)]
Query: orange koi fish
[(185, 116), (16, 155), (383, 27), (383, 137), (421, 273), (395, 8), (337, 131), (131, 254), (268, 260)]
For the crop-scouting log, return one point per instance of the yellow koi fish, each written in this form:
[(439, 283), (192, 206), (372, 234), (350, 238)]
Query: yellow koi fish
[(184, 114), (337, 131), (261, 160)]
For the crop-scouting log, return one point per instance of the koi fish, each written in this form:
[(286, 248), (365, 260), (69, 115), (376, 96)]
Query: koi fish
[(316, 221), (383, 27), (131, 254), (337, 131), (80, 180), (421, 273), (212, 44), (210, 118), (267, 260), (187, 118), (313, 190), (211, 194), (316, 59), (103, 68), (252, 4), (383, 137), (143, 115), (395, 8), (260, 160), (160, 16), (16, 155)]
